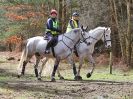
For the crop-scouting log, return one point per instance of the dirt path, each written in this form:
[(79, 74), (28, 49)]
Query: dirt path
[(28, 87), (70, 89)]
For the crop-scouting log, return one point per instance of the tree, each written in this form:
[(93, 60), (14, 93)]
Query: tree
[(121, 18)]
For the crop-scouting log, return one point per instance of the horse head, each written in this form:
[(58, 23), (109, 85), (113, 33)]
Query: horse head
[(107, 37), (85, 36)]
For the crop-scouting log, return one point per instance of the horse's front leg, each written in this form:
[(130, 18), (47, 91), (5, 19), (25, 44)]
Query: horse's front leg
[(59, 75), (57, 61), (41, 69), (78, 77), (93, 65), (71, 61), (38, 58)]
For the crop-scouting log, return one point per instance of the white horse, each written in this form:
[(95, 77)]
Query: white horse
[(85, 51), (64, 48)]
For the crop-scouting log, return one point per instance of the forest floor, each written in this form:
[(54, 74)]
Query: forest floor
[(101, 85)]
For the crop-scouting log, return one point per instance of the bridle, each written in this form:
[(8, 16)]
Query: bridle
[(88, 43), (105, 40)]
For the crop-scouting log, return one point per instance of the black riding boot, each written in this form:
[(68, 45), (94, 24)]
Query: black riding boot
[(47, 50)]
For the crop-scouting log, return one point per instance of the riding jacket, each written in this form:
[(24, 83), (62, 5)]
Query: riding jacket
[(52, 26), (72, 24)]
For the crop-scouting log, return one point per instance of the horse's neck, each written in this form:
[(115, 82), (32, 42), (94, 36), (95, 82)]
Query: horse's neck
[(72, 35), (96, 36), (69, 39)]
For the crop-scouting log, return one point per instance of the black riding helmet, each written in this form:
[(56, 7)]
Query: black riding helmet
[(75, 14)]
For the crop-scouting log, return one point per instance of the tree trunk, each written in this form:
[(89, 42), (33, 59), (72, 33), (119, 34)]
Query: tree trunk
[(128, 39), (116, 49), (60, 13), (65, 21)]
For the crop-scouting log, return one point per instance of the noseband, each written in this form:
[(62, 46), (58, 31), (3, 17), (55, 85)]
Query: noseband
[(105, 40), (88, 43)]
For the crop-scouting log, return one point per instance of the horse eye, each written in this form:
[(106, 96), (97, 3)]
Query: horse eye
[(106, 35)]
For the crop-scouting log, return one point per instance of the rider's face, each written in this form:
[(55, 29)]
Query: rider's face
[(53, 15), (75, 17)]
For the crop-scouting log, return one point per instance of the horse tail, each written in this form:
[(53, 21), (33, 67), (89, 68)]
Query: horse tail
[(23, 57)]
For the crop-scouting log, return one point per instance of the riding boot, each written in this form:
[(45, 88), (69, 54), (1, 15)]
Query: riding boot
[(47, 50)]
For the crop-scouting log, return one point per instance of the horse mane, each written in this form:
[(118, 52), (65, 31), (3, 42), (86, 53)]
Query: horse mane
[(97, 28)]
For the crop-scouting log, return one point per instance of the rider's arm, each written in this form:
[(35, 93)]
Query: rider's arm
[(72, 24), (50, 26), (78, 23)]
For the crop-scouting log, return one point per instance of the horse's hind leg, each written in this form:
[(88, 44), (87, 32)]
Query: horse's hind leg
[(38, 58), (22, 68), (93, 66), (41, 69)]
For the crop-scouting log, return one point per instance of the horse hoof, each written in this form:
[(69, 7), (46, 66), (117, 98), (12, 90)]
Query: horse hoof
[(88, 75), (22, 73), (78, 78), (39, 79), (18, 76), (61, 78), (53, 80)]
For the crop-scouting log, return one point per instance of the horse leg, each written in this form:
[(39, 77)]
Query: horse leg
[(78, 77), (23, 62), (93, 66), (38, 58), (23, 68), (22, 71), (71, 61), (59, 75), (57, 61), (41, 69)]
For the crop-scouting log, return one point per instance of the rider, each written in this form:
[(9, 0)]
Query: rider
[(73, 22), (52, 30)]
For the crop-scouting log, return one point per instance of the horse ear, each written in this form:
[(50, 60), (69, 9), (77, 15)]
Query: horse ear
[(86, 28), (82, 27), (107, 28)]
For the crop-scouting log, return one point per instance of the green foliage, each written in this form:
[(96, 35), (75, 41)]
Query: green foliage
[(103, 75), (12, 30), (3, 23), (29, 27)]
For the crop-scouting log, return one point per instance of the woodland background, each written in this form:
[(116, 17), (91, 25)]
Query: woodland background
[(22, 19)]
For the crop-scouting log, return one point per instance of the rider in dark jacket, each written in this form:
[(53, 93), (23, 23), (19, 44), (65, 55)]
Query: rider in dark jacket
[(52, 29)]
